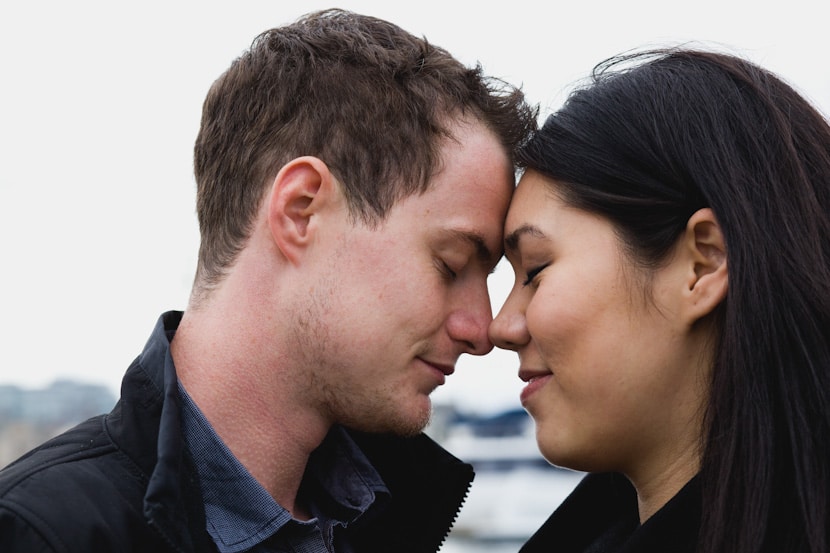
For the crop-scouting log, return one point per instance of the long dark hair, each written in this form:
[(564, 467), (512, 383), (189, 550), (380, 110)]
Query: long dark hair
[(651, 139)]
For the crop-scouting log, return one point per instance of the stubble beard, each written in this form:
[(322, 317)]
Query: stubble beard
[(328, 389)]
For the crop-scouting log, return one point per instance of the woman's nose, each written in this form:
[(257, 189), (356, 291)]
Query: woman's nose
[(509, 329)]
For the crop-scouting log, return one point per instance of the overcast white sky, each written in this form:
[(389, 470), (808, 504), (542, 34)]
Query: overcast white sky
[(100, 104)]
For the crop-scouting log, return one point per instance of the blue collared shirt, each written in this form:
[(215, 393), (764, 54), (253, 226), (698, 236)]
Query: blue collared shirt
[(339, 486)]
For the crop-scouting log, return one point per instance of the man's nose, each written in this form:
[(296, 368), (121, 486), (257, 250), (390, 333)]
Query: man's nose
[(470, 320)]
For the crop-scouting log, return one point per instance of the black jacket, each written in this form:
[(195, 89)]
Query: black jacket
[(601, 516), (123, 482)]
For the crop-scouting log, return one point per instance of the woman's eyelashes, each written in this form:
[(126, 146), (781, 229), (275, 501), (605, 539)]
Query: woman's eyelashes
[(533, 273)]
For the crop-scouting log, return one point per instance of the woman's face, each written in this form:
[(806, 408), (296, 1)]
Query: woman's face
[(614, 377)]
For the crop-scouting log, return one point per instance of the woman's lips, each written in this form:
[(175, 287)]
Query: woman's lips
[(535, 381)]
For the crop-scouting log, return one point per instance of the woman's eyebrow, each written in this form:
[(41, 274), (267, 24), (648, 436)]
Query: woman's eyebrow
[(511, 241)]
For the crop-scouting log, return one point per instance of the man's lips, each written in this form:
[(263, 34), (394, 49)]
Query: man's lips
[(444, 368), (440, 370)]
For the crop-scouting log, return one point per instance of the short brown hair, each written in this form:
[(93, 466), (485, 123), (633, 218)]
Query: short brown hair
[(368, 98)]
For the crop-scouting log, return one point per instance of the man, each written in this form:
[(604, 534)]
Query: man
[(351, 186)]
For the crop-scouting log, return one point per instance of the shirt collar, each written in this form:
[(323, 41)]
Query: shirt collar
[(340, 485), (341, 479)]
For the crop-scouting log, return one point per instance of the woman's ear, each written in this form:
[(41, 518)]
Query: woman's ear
[(705, 251), (302, 189)]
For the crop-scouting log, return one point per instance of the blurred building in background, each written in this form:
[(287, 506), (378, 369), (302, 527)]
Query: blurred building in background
[(514, 490), (30, 417)]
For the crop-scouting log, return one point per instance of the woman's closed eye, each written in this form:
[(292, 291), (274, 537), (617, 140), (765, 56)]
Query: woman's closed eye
[(533, 273)]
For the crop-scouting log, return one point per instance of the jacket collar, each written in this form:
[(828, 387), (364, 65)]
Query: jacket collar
[(428, 486), (146, 425)]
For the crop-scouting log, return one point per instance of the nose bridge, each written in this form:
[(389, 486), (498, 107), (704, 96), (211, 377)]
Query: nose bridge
[(509, 328)]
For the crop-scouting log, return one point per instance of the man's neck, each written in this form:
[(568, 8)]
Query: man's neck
[(262, 425)]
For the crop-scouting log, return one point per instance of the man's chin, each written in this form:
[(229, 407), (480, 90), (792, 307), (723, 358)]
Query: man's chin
[(400, 422)]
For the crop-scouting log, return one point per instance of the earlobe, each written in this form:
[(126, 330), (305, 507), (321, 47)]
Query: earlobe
[(708, 276), (301, 189)]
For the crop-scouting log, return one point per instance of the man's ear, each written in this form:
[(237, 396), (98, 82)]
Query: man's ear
[(301, 190), (705, 251)]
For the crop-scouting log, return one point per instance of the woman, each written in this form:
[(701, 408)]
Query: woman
[(671, 312)]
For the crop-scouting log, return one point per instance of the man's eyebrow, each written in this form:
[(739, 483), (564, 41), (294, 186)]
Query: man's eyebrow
[(511, 241), (482, 252)]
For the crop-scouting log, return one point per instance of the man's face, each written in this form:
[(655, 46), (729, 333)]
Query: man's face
[(391, 308)]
